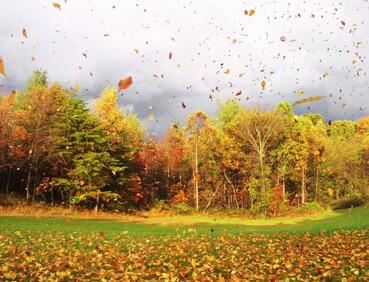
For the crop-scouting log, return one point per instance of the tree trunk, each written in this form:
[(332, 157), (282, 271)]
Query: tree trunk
[(303, 186), (97, 201), (317, 182), (28, 184), (52, 196), (196, 176), (212, 197), (234, 189), (8, 181)]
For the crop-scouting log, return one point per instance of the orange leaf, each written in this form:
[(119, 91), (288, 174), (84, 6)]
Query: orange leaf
[(57, 6), (11, 97), (251, 12), (2, 69), (125, 83)]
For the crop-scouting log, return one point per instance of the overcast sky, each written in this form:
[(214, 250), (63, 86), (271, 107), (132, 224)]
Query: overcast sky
[(318, 47)]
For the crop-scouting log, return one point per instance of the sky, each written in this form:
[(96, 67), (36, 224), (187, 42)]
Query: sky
[(299, 49)]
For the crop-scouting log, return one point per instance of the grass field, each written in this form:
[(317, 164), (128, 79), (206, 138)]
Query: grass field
[(330, 246), (206, 225)]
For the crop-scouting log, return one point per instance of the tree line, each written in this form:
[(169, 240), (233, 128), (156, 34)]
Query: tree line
[(54, 149)]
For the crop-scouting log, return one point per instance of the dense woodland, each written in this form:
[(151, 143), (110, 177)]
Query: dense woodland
[(54, 149)]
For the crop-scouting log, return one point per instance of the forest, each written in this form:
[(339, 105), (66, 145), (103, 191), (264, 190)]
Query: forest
[(57, 150)]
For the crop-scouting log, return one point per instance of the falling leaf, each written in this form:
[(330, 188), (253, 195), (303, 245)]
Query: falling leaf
[(283, 38), (170, 55), (151, 117), (24, 32), (11, 98), (125, 83), (251, 12), (239, 93), (183, 105), (2, 69), (228, 71), (263, 84), (308, 100), (56, 5), (300, 92), (343, 23)]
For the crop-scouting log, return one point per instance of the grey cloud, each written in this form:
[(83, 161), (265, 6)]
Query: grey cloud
[(209, 38)]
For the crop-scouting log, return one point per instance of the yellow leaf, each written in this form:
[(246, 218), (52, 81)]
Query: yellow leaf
[(193, 263), (307, 100), (151, 117), (330, 192), (251, 12), (300, 92), (228, 71)]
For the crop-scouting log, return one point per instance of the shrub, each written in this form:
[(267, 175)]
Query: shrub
[(313, 206), (182, 208), (350, 201)]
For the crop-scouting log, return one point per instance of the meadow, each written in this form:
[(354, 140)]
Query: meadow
[(332, 245)]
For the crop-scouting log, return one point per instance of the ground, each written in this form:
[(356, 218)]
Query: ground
[(331, 244)]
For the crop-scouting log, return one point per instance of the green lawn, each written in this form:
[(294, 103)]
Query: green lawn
[(205, 225)]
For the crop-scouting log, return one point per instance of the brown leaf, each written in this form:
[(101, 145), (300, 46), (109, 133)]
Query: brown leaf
[(183, 105), (170, 55), (263, 84), (239, 93), (125, 83), (24, 32)]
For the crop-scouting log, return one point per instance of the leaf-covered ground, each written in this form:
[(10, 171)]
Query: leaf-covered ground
[(61, 256)]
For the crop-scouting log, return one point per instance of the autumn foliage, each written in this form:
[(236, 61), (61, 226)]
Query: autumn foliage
[(56, 150)]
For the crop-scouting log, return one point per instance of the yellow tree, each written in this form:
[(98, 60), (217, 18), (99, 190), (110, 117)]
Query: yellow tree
[(196, 124), (124, 133)]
